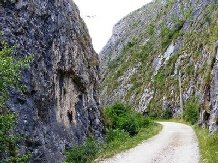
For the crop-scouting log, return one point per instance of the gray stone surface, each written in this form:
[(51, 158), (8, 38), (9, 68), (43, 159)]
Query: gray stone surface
[(60, 106), (214, 94), (193, 58)]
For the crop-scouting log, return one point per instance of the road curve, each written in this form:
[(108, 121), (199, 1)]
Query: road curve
[(176, 143)]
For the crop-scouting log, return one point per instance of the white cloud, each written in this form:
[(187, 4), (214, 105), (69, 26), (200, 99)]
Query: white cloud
[(101, 15)]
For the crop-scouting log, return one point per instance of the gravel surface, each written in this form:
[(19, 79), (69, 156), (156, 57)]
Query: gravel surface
[(176, 143)]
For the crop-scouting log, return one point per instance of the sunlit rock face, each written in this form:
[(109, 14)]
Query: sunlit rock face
[(163, 56), (60, 106)]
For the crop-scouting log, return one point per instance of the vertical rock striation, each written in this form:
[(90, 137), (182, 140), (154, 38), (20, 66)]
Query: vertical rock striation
[(60, 106), (214, 94), (163, 56)]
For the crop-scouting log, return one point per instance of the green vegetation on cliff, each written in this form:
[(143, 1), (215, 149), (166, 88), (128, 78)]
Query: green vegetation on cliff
[(174, 41), (10, 72)]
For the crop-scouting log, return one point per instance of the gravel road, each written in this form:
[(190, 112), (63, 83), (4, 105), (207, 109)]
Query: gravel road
[(176, 143)]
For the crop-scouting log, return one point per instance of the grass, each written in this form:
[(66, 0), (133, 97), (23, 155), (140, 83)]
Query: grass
[(119, 146), (208, 145)]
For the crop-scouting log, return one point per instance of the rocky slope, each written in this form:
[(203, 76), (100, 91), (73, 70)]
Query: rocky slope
[(60, 107), (163, 55)]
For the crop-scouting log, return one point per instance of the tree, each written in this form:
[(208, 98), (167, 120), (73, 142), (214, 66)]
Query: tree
[(10, 76)]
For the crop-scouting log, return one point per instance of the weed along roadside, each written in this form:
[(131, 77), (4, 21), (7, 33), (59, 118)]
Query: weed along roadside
[(126, 129), (208, 145)]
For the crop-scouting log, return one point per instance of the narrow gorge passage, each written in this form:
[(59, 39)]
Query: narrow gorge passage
[(176, 143)]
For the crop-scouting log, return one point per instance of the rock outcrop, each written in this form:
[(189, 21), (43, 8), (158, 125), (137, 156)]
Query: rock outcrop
[(60, 106), (213, 94), (163, 55)]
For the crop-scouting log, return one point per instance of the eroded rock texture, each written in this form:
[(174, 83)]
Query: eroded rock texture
[(60, 107), (162, 56), (214, 94)]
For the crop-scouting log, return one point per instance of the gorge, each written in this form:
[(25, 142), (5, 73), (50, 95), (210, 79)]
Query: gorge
[(159, 59)]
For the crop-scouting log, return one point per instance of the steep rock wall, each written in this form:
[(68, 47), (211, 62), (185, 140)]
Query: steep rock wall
[(60, 106), (161, 56), (214, 95)]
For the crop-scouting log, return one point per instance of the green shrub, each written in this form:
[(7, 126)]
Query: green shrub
[(8, 141), (129, 124), (116, 134), (121, 117), (167, 114), (151, 29), (10, 72), (86, 152), (187, 14), (115, 112), (153, 115), (168, 34), (159, 79), (191, 111), (133, 122)]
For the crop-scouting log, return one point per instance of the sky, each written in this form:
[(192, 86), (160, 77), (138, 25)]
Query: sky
[(101, 15)]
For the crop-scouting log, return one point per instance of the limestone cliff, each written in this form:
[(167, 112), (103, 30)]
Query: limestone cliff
[(60, 107), (162, 55)]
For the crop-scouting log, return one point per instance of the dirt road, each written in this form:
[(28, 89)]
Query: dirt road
[(176, 143)]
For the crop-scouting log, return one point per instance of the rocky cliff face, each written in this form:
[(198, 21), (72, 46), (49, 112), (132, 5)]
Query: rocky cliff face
[(163, 55), (60, 106), (214, 94)]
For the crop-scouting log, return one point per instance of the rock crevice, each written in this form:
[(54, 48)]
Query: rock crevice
[(60, 107)]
